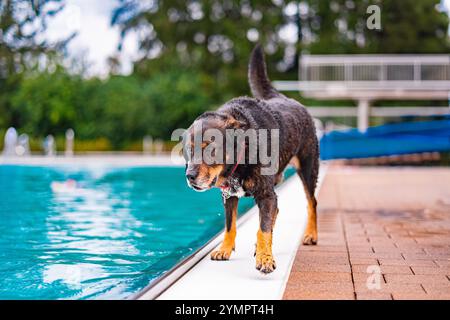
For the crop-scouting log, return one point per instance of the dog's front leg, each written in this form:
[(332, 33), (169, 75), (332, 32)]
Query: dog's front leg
[(268, 211), (224, 252)]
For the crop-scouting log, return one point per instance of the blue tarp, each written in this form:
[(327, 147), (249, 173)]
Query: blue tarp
[(390, 139)]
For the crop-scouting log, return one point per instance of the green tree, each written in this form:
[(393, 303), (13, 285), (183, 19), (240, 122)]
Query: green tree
[(411, 26), (116, 109), (125, 109), (210, 36), (407, 26), (194, 56), (46, 102), (177, 98), (22, 24)]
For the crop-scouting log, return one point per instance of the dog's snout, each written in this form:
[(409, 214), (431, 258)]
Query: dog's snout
[(190, 176)]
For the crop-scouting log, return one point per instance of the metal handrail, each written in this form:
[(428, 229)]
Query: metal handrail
[(374, 68)]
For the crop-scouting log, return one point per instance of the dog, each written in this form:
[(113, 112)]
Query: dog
[(298, 144)]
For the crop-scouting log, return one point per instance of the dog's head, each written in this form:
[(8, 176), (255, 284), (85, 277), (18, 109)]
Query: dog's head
[(205, 151)]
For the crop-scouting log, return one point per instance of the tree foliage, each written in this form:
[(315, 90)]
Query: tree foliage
[(43, 109), (407, 26), (121, 109), (193, 57), (22, 46), (210, 36)]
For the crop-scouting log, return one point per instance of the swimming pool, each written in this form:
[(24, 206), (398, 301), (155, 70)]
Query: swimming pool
[(98, 232)]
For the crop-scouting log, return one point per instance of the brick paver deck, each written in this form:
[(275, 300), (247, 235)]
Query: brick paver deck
[(384, 233)]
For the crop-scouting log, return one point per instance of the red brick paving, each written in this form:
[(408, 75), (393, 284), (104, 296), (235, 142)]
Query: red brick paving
[(392, 220)]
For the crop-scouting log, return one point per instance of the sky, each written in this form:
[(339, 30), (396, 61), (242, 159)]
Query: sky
[(96, 39)]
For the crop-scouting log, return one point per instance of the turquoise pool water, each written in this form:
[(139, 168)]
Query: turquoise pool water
[(97, 233)]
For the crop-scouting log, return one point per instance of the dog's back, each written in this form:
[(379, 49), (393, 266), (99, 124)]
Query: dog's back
[(297, 129), (298, 138)]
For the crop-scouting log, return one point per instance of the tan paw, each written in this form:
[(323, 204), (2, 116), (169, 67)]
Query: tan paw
[(221, 254), (310, 239), (265, 263)]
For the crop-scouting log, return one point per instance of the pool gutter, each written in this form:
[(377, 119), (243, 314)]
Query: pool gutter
[(95, 160), (197, 277), (157, 287)]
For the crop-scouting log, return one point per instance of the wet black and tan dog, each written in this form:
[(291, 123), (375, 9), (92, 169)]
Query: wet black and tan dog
[(297, 144)]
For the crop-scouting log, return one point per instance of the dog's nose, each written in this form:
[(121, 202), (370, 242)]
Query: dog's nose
[(190, 177)]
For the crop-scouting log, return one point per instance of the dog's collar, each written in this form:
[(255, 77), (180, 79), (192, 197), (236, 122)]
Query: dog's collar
[(232, 185), (241, 154)]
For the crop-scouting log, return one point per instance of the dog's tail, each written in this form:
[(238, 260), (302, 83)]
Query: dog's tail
[(257, 76)]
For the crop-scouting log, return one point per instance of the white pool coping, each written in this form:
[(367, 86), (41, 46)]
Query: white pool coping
[(198, 277), (93, 160)]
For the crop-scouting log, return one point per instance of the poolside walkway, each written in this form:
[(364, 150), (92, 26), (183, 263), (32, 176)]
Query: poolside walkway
[(384, 233)]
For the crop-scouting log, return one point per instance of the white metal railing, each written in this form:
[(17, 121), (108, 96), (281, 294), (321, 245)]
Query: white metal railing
[(378, 68), (387, 112), (372, 77), (365, 78)]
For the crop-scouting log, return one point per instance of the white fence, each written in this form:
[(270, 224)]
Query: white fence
[(373, 77)]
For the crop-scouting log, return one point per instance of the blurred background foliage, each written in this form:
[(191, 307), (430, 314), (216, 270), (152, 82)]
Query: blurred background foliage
[(193, 57)]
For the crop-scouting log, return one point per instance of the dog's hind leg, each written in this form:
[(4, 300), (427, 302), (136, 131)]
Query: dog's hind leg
[(224, 252), (308, 172)]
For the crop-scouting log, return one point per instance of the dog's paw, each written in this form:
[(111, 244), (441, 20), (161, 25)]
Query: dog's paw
[(221, 254), (310, 239), (265, 263)]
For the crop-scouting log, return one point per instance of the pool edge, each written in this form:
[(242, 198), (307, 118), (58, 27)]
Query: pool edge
[(162, 284)]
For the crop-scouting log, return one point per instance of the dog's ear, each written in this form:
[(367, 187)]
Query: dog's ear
[(233, 123)]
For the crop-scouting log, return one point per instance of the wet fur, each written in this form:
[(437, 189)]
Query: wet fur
[(271, 110)]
